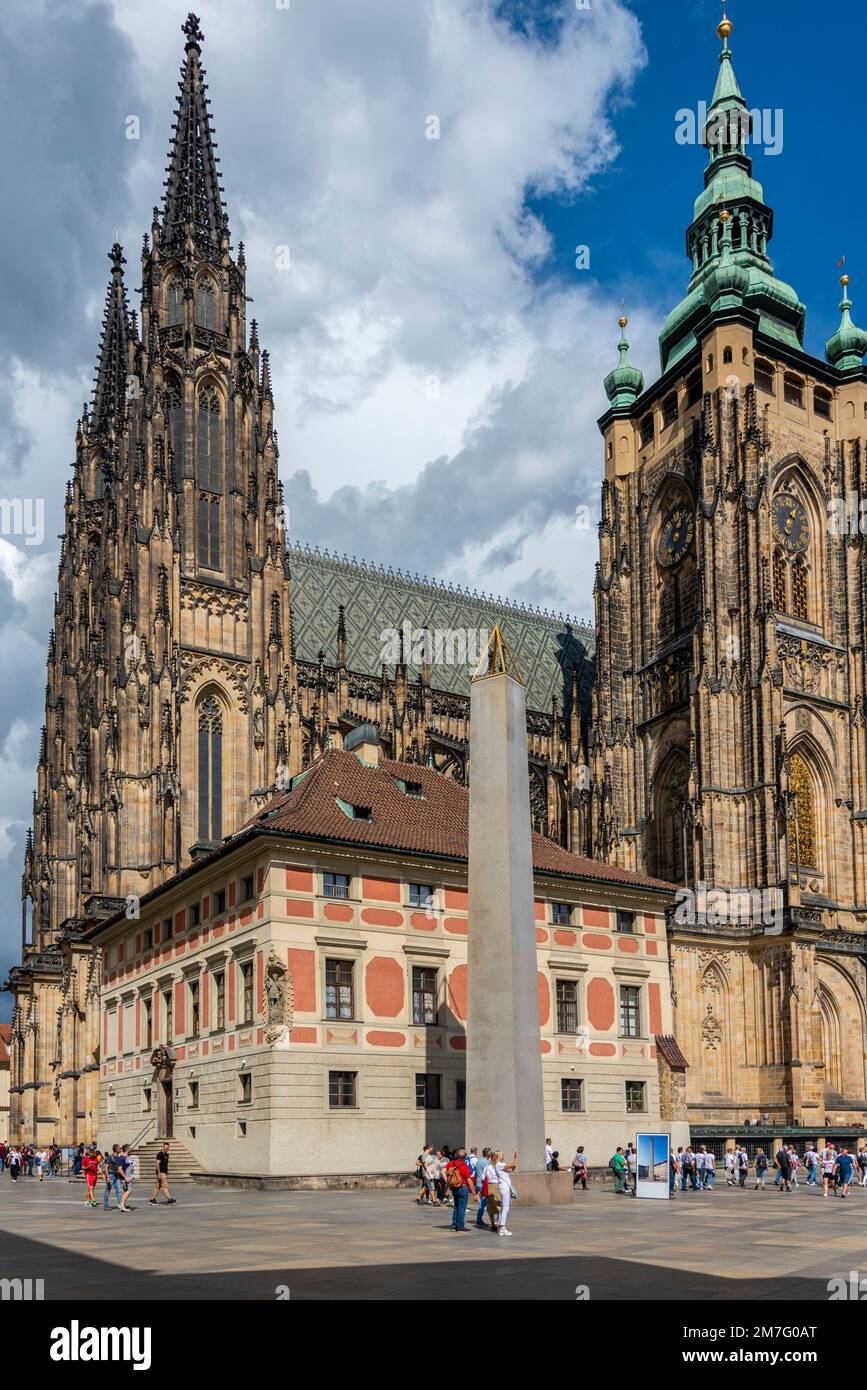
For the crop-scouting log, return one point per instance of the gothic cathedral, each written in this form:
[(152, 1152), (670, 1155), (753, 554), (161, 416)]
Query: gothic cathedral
[(729, 744)]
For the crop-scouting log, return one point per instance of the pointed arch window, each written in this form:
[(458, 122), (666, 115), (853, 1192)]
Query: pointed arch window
[(98, 478), (802, 819), (209, 531), (210, 770), (175, 302), (206, 304), (670, 801), (800, 603), (780, 600), (209, 439), (175, 414)]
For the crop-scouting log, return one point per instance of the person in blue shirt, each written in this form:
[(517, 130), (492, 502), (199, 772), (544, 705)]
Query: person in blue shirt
[(843, 1171)]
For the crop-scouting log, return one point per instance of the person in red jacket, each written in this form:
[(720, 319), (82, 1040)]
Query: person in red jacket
[(90, 1165), (459, 1180)]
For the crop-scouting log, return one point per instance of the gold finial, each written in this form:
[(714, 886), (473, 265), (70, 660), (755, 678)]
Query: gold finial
[(623, 320), (724, 216), (844, 280), (725, 26)]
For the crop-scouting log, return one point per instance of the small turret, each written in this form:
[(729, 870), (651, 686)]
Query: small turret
[(626, 382), (846, 348)]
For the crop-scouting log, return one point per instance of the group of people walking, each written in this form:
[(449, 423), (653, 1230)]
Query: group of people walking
[(834, 1171), (31, 1160), (450, 1178), (118, 1169)]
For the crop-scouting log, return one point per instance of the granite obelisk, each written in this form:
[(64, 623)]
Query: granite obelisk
[(504, 1066)]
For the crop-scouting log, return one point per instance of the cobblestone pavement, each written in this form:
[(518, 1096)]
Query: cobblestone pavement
[(219, 1243)]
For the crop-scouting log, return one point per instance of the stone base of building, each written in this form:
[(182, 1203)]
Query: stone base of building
[(307, 1182), (544, 1189)]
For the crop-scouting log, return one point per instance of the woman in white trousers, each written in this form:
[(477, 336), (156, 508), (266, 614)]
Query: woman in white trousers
[(504, 1182)]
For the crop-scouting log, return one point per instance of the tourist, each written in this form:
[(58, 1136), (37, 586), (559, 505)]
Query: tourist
[(579, 1168), (161, 1178), (862, 1164), (829, 1167), (843, 1171), (548, 1152), (112, 1172), (459, 1179), (555, 1161), (438, 1169), (424, 1166), (674, 1160), (14, 1164), (761, 1169), (784, 1164), (78, 1161), (90, 1164), (709, 1169), (129, 1172), (491, 1186), (482, 1193), (3, 1152), (743, 1166), (700, 1167), (811, 1163), (617, 1163), (503, 1173), (40, 1161), (632, 1168), (796, 1163)]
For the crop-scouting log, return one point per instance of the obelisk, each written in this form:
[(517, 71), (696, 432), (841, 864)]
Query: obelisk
[(504, 1106)]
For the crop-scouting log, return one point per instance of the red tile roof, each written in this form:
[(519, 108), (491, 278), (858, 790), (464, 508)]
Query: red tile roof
[(5, 1041), (668, 1046), (436, 822)]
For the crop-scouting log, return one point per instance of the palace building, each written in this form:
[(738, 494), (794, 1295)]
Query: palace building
[(729, 735), (198, 898)]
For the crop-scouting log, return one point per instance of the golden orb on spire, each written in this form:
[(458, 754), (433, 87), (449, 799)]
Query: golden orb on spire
[(623, 320), (725, 26), (844, 280), (724, 216)]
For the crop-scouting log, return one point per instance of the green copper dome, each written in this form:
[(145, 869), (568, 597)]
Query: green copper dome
[(730, 263), (848, 345), (625, 382)]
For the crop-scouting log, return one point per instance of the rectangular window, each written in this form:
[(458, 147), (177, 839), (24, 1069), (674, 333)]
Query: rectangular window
[(220, 901), (335, 885), (220, 999), (765, 379), (247, 990), (793, 391), (560, 913), (646, 431), (193, 1101), (195, 914), (822, 404), (209, 532), (339, 990), (148, 1021), (147, 940), (460, 1095), (571, 1094), (427, 1091), (421, 895), (246, 888), (167, 929), (635, 1097), (630, 1011), (167, 1014), (626, 922), (567, 1006), (669, 411), (342, 1089), (424, 994), (194, 1008)]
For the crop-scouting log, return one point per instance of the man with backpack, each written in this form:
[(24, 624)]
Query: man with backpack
[(459, 1181), (617, 1164), (112, 1172)]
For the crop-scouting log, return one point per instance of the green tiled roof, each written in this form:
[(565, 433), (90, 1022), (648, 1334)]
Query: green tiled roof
[(376, 599)]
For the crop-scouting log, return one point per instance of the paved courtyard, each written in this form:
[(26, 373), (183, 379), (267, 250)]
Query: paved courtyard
[(221, 1244)]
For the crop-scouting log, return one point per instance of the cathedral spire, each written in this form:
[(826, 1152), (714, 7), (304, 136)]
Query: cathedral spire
[(729, 187), (109, 398), (194, 197), (846, 349), (625, 382)]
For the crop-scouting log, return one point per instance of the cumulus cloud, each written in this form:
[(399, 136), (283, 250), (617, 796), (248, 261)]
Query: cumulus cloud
[(436, 388)]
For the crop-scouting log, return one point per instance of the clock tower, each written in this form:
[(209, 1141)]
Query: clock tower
[(729, 751)]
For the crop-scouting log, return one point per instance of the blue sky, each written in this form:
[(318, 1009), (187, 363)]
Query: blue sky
[(437, 358)]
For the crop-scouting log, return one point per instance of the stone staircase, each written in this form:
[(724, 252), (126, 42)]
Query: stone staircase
[(182, 1165)]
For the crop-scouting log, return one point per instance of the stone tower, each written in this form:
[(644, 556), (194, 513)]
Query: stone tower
[(729, 749)]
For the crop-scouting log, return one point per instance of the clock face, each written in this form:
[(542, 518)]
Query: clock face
[(791, 524), (676, 538)]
